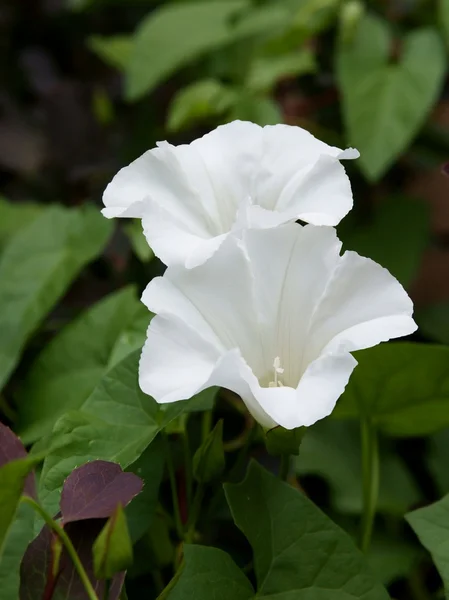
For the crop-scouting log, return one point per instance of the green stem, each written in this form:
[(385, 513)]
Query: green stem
[(195, 512), (173, 581), (54, 526), (284, 468), (370, 481), (187, 464), (174, 490)]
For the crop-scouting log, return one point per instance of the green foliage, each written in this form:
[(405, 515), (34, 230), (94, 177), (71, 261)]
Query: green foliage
[(209, 459), (385, 103), (402, 388), (433, 322), (266, 71), (20, 534), (331, 449), (160, 46), (208, 569), (430, 525), (138, 242), (201, 100), (112, 550), (114, 50), (140, 513), (12, 481), (116, 423), (69, 368), (402, 225), (281, 442), (36, 267)]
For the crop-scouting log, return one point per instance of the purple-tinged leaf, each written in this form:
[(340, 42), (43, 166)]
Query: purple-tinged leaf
[(11, 448), (36, 568), (94, 490)]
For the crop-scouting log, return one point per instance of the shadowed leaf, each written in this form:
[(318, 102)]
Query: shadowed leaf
[(94, 490), (36, 564)]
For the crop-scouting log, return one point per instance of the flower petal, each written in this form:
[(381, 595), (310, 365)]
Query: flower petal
[(315, 397), (175, 361), (156, 175), (172, 240), (362, 306), (230, 154), (291, 267), (303, 176)]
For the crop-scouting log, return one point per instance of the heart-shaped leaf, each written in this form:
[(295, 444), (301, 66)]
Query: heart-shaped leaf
[(94, 490), (385, 102), (403, 388)]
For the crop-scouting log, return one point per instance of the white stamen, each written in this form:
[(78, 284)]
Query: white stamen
[(277, 370)]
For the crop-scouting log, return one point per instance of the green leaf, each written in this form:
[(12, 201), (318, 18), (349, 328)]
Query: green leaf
[(332, 450), (385, 103), (112, 550), (266, 19), (403, 225), (403, 388), (15, 216), (298, 551), (209, 459), (161, 45), (116, 423), (433, 322), (140, 513), (20, 534), (280, 441), (210, 573), (431, 526), (266, 71), (69, 368), (263, 111), (437, 460), (12, 481), (139, 244), (350, 14), (443, 14), (37, 266), (114, 50), (392, 559), (198, 101)]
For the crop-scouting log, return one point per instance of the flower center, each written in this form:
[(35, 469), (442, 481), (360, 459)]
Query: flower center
[(278, 370)]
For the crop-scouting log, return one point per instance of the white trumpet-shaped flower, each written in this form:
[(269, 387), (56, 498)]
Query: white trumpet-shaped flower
[(190, 197), (273, 317)]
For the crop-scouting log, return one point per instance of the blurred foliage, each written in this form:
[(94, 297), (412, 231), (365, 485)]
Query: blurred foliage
[(87, 86)]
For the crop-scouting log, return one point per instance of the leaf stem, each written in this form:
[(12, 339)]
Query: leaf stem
[(194, 512), (187, 464), (54, 526), (174, 489), (370, 480)]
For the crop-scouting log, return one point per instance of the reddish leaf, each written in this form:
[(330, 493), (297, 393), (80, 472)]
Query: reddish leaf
[(35, 571), (11, 448), (93, 491)]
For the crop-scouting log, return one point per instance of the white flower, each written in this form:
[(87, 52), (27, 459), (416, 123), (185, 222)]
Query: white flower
[(240, 175), (272, 317)]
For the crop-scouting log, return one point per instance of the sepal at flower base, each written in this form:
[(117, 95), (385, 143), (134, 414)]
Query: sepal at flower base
[(283, 442)]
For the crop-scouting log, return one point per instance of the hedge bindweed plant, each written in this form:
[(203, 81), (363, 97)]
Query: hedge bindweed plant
[(256, 311)]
